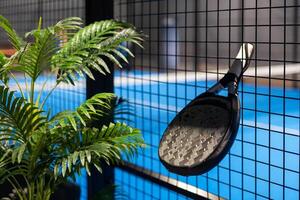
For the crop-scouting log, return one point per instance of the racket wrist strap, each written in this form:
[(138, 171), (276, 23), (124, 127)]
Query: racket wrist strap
[(228, 78), (231, 81), (233, 88)]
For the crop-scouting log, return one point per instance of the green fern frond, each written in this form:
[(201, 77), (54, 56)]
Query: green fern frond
[(99, 106), (3, 61), (47, 151), (14, 39), (108, 144), (66, 28), (37, 56), (18, 118), (88, 48), (63, 30)]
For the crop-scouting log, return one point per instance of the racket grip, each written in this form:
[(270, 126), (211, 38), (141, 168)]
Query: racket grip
[(234, 74), (242, 60)]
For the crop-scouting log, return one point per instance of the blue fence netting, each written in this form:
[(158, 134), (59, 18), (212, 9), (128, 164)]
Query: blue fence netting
[(189, 46)]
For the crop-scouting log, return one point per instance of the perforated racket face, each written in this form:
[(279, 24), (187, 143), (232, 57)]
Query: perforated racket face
[(194, 135)]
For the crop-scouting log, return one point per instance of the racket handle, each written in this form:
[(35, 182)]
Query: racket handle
[(234, 74), (239, 66), (242, 60)]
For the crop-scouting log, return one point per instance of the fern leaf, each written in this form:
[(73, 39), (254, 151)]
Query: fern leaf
[(21, 152), (64, 166), (15, 40), (82, 157), (98, 167), (90, 43), (87, 169), (55, 171), (18, 115), (75, 157), (88, 156)]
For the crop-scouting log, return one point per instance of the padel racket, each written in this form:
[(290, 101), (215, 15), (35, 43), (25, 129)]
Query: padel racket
[(201, 134)]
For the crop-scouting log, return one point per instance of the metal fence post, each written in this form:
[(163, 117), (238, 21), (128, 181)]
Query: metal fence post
[(97, 10)]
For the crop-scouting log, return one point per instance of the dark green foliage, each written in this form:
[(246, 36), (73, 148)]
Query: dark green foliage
[(44, 152)]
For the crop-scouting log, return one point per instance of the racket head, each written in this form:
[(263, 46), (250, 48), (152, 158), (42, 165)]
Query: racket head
[(200, 136)]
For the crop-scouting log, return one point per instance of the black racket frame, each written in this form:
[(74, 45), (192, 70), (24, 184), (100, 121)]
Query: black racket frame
[(230, 103)]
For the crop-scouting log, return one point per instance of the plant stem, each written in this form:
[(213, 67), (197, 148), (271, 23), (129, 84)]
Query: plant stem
[(44, 101), (32, 92), (17, 82), (40, 94), (26, 86)]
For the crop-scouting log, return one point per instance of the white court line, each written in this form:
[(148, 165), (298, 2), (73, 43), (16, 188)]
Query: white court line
[(179, 77), (245, 122), (50, 84), (182, 77), (173, 77)]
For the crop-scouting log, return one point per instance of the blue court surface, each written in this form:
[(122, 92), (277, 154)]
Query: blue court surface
[(264, 158)]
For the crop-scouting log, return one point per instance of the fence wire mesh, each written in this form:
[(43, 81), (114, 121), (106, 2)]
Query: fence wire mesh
[(189, 46)]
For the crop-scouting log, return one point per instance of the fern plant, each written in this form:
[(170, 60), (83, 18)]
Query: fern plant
[(39, 151)]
